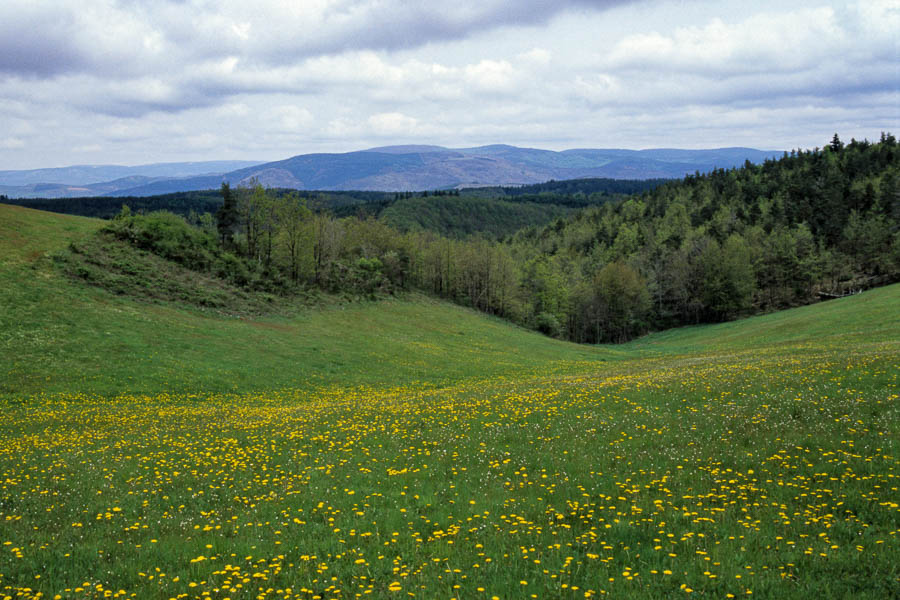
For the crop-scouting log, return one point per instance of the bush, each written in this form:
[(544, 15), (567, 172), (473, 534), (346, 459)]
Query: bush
[(169, 236), (232, 269), (548, 324)]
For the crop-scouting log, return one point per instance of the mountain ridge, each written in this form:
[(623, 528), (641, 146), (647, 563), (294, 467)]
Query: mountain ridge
[(405, 168), (86, 174)]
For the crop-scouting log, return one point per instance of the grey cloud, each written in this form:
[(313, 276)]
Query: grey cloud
[(131, 98), (409, 25), (43, 40), (131, 106), (47, 40), (37, 42)]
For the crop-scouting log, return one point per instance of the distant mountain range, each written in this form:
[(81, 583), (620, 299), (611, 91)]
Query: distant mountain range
[(390, 168), (99, 180)]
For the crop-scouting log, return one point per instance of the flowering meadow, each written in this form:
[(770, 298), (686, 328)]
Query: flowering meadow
[(766, 473), (413, 449)]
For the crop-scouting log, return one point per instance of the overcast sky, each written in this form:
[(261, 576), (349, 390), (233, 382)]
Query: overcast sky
[(140, 81)]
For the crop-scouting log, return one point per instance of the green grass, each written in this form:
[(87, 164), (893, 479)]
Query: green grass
[(58, 335), (107, 262), (869, 318), (410, 448)]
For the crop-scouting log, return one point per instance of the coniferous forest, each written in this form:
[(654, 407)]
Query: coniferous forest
[(809, 226)]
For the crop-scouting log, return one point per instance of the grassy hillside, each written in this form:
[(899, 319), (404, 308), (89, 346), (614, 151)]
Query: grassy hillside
[(415, 449), (871, 318), (58, 335)]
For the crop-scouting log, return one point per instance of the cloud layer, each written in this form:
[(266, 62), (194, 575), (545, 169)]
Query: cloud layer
[(138, 81)]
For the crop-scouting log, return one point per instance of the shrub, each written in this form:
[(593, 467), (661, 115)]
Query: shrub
[(548, 324), (169, 236)]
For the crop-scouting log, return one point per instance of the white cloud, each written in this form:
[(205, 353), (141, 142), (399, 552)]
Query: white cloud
[(353, 67), (491, 75), (292, 118), (242, 30), (232, 110), (202, 141), (810, 55), (537, 56), (393, 124), (88, 149), (597, 89), (123, 130), (761, 44), (880, 19), (343, 128)]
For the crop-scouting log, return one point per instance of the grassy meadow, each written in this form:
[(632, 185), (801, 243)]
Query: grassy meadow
[(413, 449)]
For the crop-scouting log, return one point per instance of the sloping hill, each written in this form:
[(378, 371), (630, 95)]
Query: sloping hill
[(868, 319), (58, 334)]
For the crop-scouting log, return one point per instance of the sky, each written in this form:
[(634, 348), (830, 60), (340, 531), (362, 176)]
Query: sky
[(144, 81)]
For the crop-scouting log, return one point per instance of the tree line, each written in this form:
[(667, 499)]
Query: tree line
[(708, 248)]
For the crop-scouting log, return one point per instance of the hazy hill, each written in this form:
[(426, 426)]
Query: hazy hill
[(401, 168), (394, 168), (93, 180)]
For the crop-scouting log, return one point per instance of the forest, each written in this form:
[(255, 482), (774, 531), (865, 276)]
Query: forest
[(712, 247), (576, 193)]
